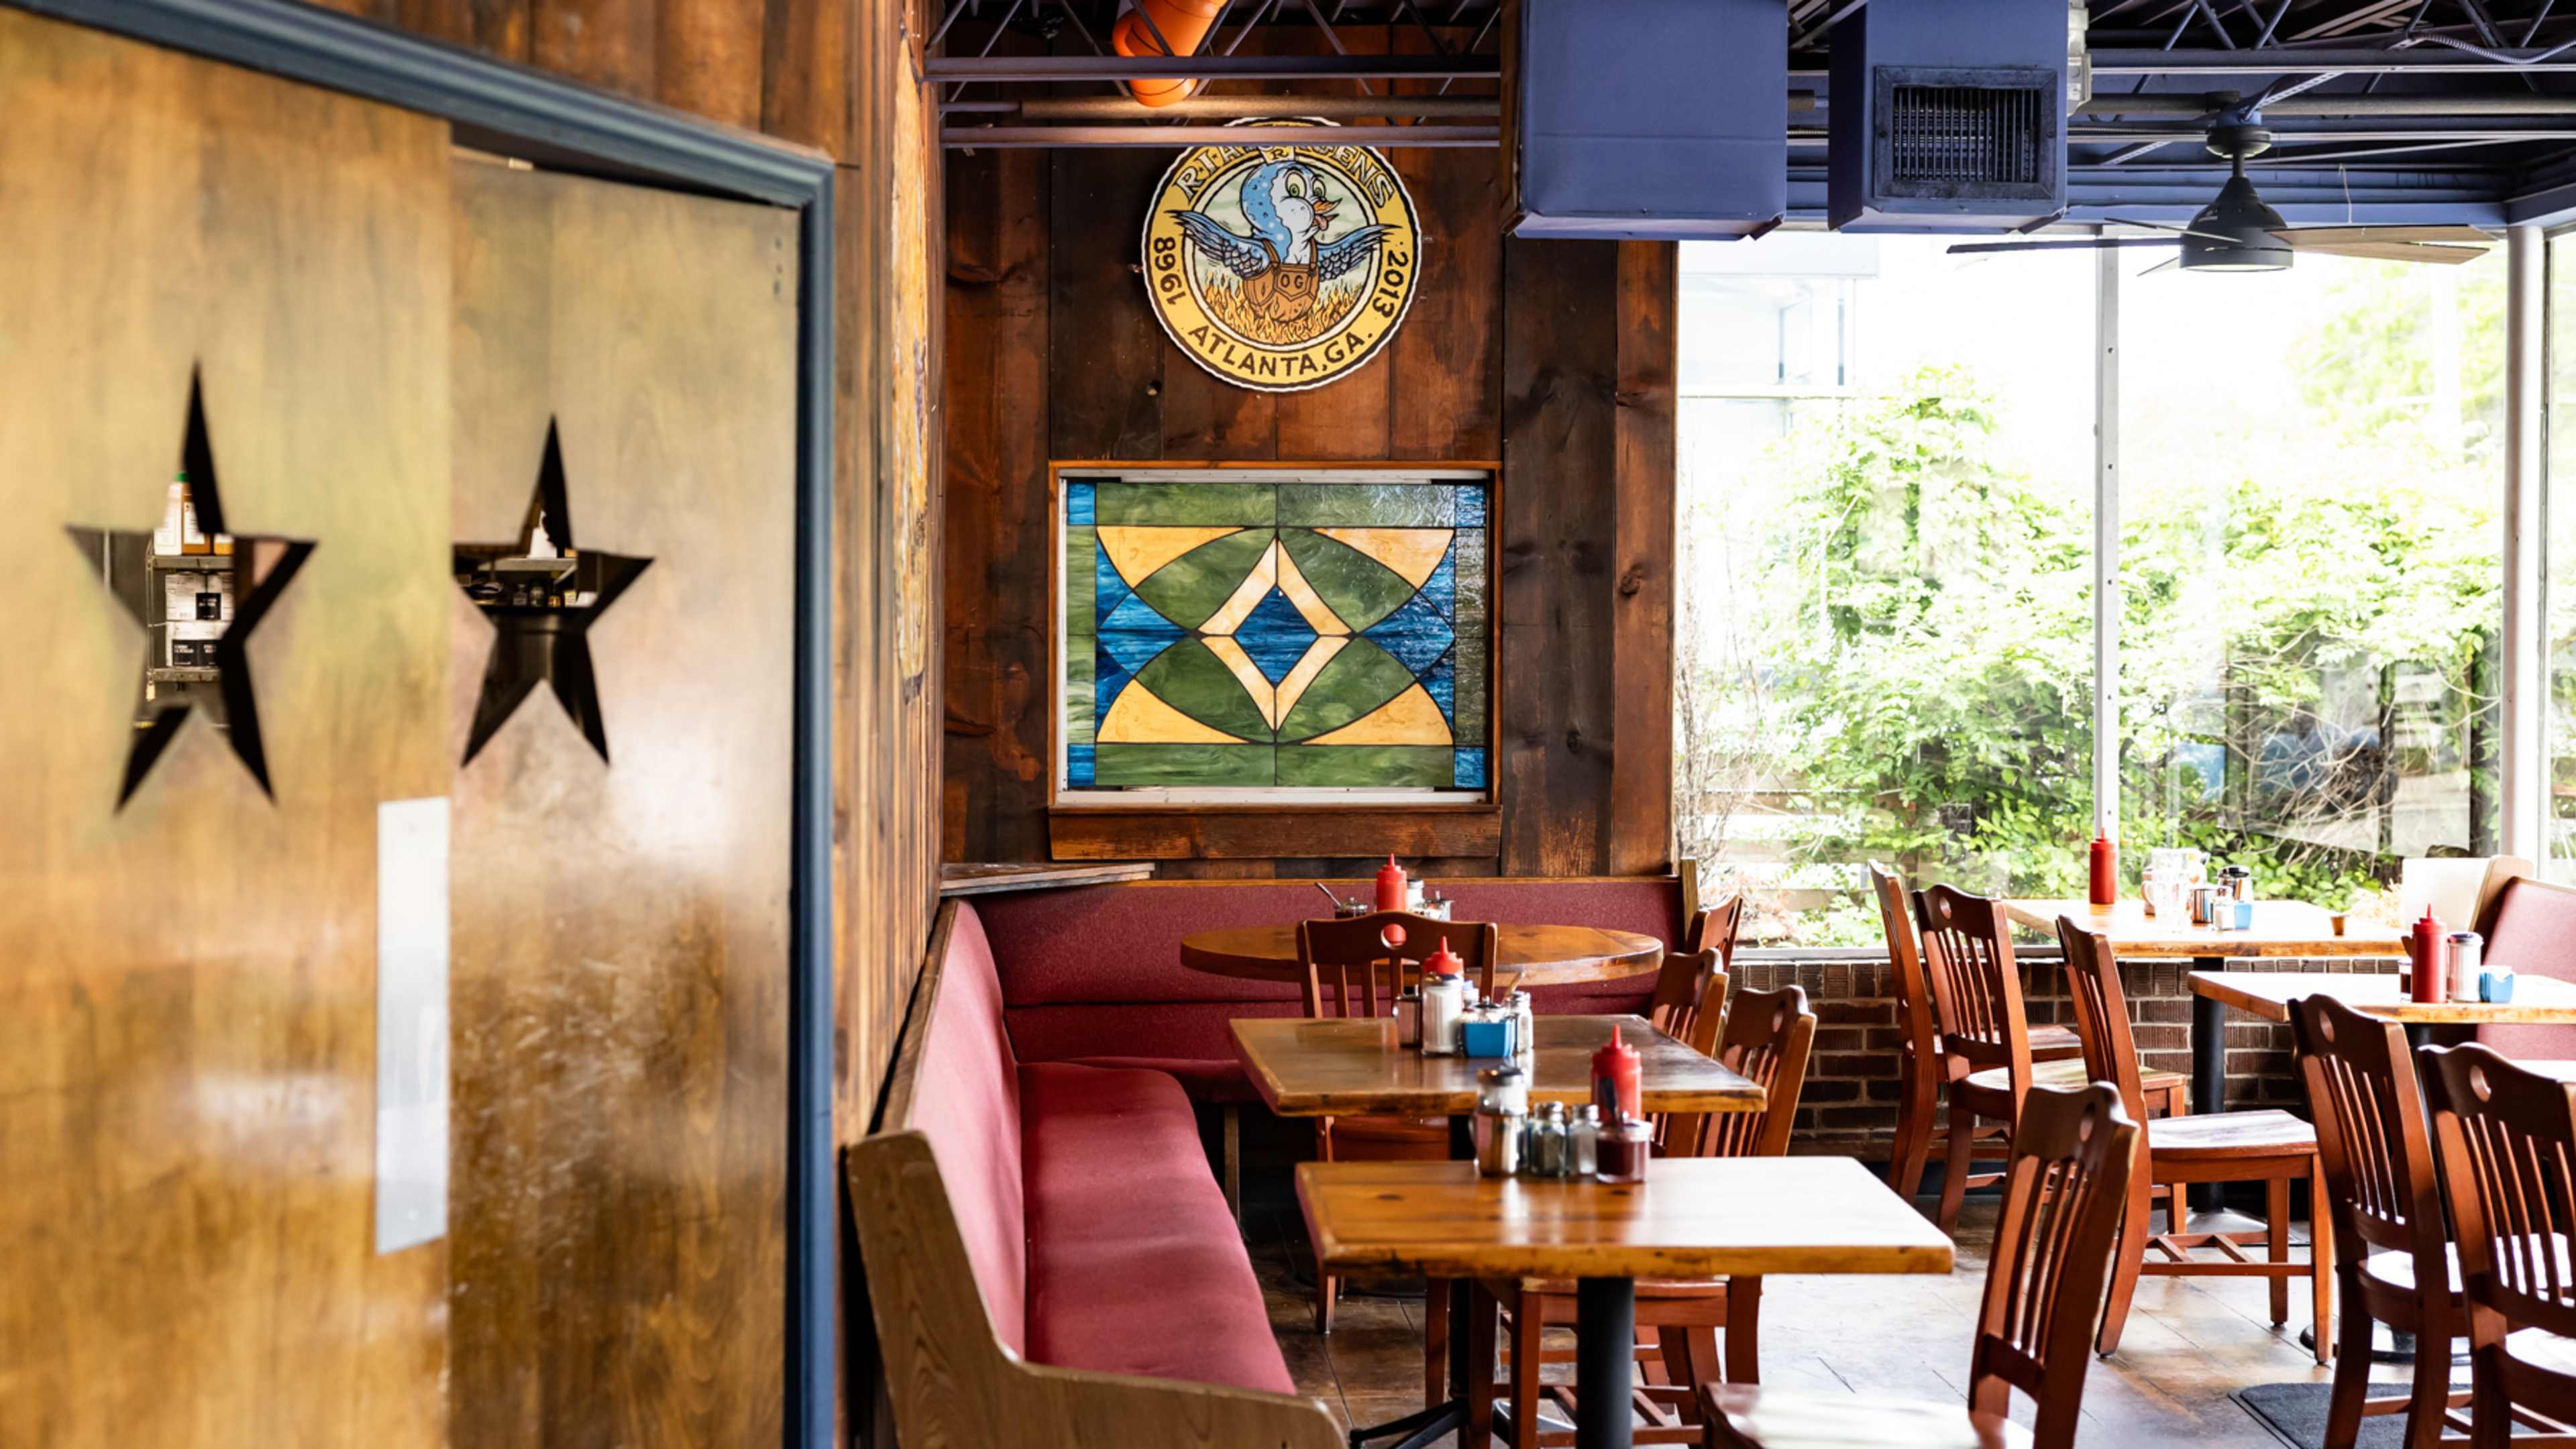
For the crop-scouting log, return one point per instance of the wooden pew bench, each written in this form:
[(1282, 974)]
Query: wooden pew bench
[(1049, 1260)]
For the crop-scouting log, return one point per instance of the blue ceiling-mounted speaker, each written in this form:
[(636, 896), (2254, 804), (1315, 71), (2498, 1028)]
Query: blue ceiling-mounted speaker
[(1948, 117), (1648, 118)]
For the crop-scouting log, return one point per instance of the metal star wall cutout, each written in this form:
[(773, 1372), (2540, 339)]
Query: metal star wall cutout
[(260, 567), (541, 608)]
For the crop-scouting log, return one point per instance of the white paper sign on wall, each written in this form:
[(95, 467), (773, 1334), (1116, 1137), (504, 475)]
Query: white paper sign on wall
[(411, 1023)]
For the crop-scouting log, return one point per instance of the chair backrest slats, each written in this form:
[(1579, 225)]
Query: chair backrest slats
[(2064, 1187), (1358, 966), (1976, 989), (1905, 961), (2372, 1137), (1684, 1008), (1767, 1039), (2507, 1139), (2102, 1014)]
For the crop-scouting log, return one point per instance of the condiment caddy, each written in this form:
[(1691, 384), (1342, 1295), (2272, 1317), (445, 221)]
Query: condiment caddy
[(1604, 1139)]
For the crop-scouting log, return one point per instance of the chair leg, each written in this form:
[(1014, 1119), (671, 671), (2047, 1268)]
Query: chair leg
[(2352, 1374), (1482, 1330), (2321, 1278), (2490, 1410), (1327, 1289), (1529, 1337), (2276, 1232), (1743, 1331), (2128, 1258), (1679, 1366), (1916, 1113), (1954, 1173), (2431, 1397), (1435, 1342)]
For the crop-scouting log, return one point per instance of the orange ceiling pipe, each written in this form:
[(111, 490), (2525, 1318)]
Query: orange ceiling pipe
[(1181, 23)]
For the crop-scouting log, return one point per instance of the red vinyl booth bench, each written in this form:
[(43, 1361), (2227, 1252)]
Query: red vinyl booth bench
[(1094, 974), (2530, 925), (1043, 1241)]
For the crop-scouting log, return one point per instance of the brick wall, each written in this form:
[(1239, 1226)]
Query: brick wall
[(1849, 1105)]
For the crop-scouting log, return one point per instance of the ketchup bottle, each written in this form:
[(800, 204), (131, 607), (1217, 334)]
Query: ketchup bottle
[(2428, 947), (1390, 886), (1614, 1080), (2106, 870)]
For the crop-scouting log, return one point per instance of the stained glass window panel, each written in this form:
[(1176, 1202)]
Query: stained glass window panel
[(1276, 634)]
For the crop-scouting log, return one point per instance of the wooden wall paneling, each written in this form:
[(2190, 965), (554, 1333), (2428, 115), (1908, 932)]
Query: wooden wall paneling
[(1110, 371), (187, 1101), (1446, 365), (496, 27), (1239, 840), (621, 932), (1556, 676), (1641, 774), (999, 510), (709, 55), (1349, 416), (612, 44)]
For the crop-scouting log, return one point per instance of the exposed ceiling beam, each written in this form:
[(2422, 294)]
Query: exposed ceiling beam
[(2296, 60), (1211, 67)]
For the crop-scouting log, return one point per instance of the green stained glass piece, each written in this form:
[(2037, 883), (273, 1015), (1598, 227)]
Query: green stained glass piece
[(1182, 765), (1357, 588), (1196, 584), (1080, 551), (1190, 679), (1366, 505), (1382, 766), (1252, 505), (1077, 694), (1360, 678)]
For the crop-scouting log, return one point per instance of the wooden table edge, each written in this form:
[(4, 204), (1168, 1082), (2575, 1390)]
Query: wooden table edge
[(2334, 947), (1658, 1100)]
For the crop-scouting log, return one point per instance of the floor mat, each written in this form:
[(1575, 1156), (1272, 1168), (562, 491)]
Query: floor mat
[(2297, 1414)]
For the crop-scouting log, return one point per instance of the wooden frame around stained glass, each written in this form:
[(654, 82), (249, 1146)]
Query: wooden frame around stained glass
[(1294, 634)]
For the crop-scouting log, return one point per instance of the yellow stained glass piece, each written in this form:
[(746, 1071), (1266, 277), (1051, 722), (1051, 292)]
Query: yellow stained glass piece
[(1247, 674), (1247, 596), (1411, 718), (1319, 616), (1293, 687), (1137, 550), (1140, 717), (1412, 552)]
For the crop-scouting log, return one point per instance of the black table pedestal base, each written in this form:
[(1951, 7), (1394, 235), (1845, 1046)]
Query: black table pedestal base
[(1605, 1358)]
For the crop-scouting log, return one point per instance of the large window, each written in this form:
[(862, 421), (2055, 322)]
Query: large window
[(1889, 477), (2559, 818)]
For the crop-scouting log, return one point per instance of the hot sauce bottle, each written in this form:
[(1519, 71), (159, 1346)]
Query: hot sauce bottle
[(2106, 870), (2427, 945)]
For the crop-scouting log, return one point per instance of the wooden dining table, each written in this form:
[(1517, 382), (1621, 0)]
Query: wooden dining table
[(1529, 955), (1693, 1217), (1335, 1066)]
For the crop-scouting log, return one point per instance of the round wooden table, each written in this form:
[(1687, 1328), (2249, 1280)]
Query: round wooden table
[(1533, 955)]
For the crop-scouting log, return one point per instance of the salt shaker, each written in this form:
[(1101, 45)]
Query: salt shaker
[(1502, 1107), (1544, 1154), (1527, 1015), (1408, 1017), (1583, 1141)]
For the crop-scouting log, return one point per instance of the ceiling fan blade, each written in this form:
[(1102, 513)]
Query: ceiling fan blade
[(2167, 265), (2391, 251), (2468, 235), (2087, 244), (2165, 226)]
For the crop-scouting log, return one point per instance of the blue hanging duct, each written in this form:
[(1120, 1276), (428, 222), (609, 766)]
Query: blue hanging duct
[(1649, 118), (1948, 116)]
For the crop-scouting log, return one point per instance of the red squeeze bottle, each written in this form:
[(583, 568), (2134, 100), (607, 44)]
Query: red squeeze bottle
[(1614, 1080), (1445, 962), (2106, 870), (2428, 946), (1390, 886)]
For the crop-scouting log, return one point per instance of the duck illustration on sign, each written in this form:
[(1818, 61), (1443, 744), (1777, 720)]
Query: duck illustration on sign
[(1284, 267)]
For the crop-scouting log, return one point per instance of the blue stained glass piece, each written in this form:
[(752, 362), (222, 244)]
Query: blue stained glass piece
[(1442, 587), (1471, 506), (1078, 507), (1079, 770), (1108, 591), (1442, 684), (1133, 634), (1275, 635), (1108, 676), (1470, 769), (1415, 634)]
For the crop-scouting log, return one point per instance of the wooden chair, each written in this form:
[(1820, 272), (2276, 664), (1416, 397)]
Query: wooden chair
[(1713, 928), (2507, 1139), (1690, 995), (2065, 1184), (1767, 1037), (1357, 967), (2385, 1198), (2270, 1147), (1922, 1071), (1985, 1038)]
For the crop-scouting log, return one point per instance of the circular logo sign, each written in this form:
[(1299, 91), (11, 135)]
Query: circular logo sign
[(1282, 267)]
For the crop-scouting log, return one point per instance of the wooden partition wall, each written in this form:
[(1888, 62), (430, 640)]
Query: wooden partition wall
[(1554, 357), (187, 1090)]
